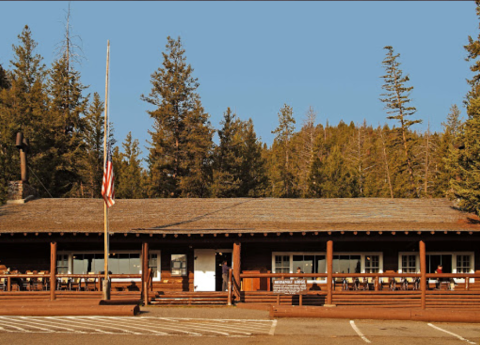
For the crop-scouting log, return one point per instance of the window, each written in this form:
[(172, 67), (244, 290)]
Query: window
[(409, 263), (309, 263), (372, 264), (347, 263), (121, 262), (463, 264), (153, 264), (288, 262), (282, 263), (178, 264), (62, 263)]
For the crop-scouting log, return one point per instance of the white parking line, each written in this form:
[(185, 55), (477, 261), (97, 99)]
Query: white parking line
[(129, 324), (63, 319), (12, 320), (360, 334), (32, 320), (453, 334), (272, 329)]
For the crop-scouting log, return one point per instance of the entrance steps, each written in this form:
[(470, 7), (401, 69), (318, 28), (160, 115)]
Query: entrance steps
[(190, 298)]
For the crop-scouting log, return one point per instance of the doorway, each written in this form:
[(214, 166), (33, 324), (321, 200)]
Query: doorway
[(433, 260), (219, 258)]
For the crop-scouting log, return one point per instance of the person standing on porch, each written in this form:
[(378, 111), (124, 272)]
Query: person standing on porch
[(225, 269)]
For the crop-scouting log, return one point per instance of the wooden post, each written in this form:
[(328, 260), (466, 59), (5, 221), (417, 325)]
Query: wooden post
[(145, 272), (329, 271), (9, 284), (53, 269), (423, 271), (236, 268), (377, 283), (300, 300), (229, 301), (467, 283)]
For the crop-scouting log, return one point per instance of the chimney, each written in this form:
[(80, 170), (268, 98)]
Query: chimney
[(19, 192)]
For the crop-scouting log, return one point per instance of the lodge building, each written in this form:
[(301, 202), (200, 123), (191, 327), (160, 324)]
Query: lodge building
[(189, 238)]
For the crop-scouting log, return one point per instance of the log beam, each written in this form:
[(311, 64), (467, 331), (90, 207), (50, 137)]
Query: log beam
[(423, 271), (236, 268), (53, 269), (329, 271)]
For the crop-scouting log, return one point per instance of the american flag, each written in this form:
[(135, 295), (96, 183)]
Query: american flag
[(108, 190)]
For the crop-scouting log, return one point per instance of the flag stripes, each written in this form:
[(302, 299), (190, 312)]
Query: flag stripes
[(108, 190)]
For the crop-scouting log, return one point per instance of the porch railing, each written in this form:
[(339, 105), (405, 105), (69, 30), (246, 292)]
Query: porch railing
[(378, 280)]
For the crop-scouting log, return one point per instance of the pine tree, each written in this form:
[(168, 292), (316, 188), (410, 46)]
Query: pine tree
[(4, 82), (448, 151), (91, 164), (129, 175), (466, 183), (282, 152), (64, 148), (179, 159), (23, 107), (397, 105), (228, 158), (253, 169)]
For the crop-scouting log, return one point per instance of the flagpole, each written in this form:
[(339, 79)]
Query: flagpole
[(106, 285)]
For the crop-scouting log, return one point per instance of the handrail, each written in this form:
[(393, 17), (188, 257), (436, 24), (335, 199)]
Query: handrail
[(358, 275), (66, 275)]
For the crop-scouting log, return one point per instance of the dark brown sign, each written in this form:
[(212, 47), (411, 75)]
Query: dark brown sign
[(290, 286)]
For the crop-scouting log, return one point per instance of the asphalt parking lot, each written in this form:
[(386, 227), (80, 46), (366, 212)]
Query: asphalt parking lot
[(227, 325)]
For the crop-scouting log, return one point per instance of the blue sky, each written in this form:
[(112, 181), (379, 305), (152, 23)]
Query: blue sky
[(256, 56)]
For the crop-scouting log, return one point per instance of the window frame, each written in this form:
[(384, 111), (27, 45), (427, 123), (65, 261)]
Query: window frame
[(454, 261), (70, 254), (324, 280), (186, 265)]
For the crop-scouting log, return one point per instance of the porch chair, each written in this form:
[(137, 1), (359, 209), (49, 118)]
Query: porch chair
[(368, 283), (76, 284), (338, 281), (408, 281), (393, 283), (63, 284), (28, 282), (351, 282), (39, 283), (91, 283)]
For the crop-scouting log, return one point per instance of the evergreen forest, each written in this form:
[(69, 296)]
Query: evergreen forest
[(64, 123)]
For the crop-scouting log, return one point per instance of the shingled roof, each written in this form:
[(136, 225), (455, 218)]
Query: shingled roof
[(243, 215)]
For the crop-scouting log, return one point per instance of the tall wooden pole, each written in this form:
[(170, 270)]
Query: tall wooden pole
[(106, 284), (423, 272), (53, 269), (236, 268), (329, 271)]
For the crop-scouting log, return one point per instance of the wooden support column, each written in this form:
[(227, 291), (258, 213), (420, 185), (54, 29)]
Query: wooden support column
[(236, 269), (145, 272), (329, 271), (423, 272), (53, 269)]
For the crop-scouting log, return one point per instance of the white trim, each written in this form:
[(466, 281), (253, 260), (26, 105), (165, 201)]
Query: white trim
[(323, 281), (70, 254), (454, 261)]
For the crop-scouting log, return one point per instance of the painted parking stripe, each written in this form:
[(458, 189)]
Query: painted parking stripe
[(25, 324), (130, 324), (360, 334), (63, 319), (19, 328), (225, 326), (32, 320), (452, 334), (189, 325), (272, 328), (164, 326), (97, 319), (94, 324)]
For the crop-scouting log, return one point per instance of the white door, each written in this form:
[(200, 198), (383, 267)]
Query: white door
[(204, 270)]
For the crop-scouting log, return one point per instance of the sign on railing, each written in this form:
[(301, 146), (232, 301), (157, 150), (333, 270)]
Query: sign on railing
[(290, 286)]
